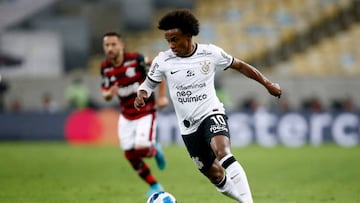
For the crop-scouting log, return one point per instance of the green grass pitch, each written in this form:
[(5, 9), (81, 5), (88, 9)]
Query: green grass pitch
[(54, 172)]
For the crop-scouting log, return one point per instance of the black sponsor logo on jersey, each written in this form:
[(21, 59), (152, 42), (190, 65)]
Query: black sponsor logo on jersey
[(192, 121), (174, 71), (188, 97), (190, 73), (192, 86)]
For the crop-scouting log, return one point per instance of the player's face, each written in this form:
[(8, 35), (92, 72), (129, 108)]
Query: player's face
[(113, 47), (179, 43)]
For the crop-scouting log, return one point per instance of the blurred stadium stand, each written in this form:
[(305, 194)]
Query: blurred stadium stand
[(14, 12), (311, 44), (274, 34), (309, 47)]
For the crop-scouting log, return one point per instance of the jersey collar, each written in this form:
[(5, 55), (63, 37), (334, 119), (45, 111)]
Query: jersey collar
[(192, 53)]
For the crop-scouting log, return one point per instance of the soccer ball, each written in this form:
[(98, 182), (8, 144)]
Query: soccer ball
[(161, 197)]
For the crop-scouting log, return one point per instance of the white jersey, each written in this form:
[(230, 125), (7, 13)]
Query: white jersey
[(191, 83)]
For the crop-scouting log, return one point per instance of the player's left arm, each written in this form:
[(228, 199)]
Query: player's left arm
[(251, 72)]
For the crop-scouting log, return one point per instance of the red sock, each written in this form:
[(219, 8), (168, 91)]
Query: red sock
[(140, 166)]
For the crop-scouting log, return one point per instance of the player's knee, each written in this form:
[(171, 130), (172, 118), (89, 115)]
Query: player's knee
[(220, 146), (220, 153)]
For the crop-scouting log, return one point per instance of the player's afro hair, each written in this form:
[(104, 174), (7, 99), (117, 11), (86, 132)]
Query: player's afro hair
[(182, 19)]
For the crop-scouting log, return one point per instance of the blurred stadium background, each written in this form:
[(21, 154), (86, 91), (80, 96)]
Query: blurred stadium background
[(310, 47)]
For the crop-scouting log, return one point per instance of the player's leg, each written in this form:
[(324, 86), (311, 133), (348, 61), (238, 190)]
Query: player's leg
[(126, 133), (221, 181), (234, 171), (145, 140), (145, 145), (143, 170), (216, 132), (205, 160)]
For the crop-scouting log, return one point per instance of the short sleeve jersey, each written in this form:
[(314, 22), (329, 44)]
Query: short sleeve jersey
[(128, 77), (191, 82)]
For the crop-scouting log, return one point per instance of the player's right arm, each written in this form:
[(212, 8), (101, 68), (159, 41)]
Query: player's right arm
[(152, 80), (144, 92), (162, 99)]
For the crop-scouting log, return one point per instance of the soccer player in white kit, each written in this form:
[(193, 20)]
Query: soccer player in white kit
[(189, 69)]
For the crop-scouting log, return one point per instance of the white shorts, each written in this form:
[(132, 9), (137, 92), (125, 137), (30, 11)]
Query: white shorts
[(140, 132)]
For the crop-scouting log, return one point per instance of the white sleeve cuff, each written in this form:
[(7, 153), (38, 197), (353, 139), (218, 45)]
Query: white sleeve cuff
[(148, 86)]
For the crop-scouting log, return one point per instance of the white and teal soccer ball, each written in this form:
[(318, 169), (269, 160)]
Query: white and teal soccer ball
[(161, 197)]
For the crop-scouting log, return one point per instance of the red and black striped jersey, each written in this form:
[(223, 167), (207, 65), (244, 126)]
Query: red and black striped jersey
[(128, 76)]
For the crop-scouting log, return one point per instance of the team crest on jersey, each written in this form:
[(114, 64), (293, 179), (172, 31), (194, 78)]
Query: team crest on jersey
[(205, 67), (130, 72)]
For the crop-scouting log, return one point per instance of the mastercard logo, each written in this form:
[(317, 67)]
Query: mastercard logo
[(88, 126)]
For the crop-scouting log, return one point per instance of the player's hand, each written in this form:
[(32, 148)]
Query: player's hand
[(111, 92), (161, 102), (274, 89), (140, 100), (114, 89)]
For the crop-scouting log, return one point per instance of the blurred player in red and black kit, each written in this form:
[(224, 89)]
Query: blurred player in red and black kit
[(122, 73)]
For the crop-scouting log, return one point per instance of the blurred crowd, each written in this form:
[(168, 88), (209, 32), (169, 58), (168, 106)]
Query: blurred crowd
[(77, 96), (312, 104), (304, 38)]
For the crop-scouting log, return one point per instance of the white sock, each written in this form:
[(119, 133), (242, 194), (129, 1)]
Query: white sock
[(227, 188), (237, 176)]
